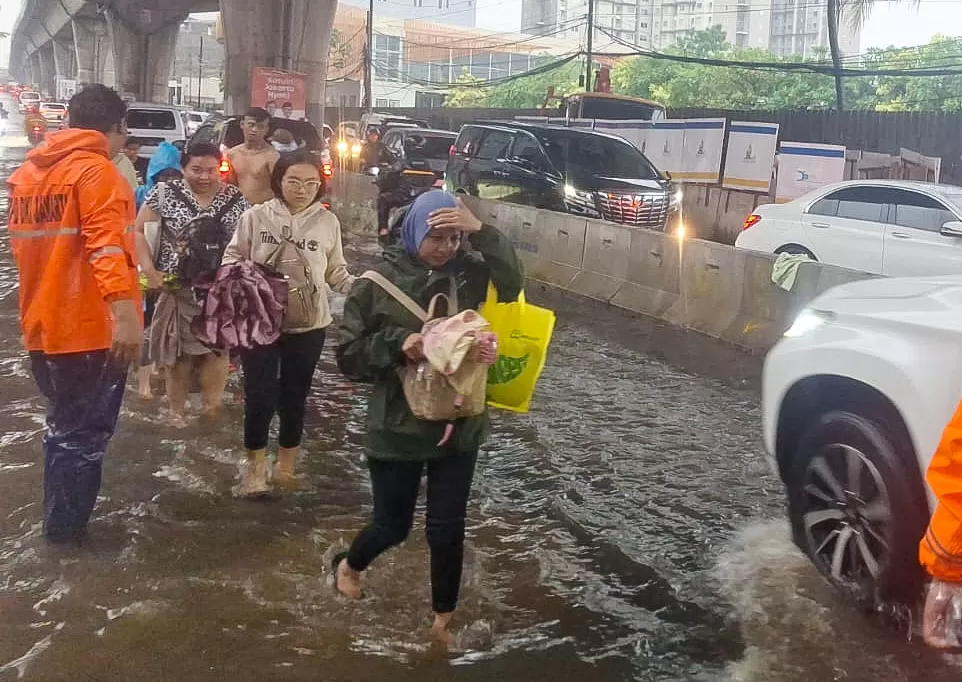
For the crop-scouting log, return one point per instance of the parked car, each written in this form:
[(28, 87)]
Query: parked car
[(155, 123), (28, 98), (570, 170), (226, 133), (897, 228), (855, 399), (54, 112)]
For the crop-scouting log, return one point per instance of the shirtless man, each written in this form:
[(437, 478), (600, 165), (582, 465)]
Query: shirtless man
[(253, 161)]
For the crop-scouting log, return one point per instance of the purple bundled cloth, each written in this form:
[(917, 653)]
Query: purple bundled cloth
[(243, 307)]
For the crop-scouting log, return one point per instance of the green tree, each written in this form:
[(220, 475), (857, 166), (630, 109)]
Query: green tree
[(520, 93), (470, 94)]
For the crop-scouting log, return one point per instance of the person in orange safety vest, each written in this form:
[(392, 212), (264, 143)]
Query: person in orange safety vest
[(70, 218)]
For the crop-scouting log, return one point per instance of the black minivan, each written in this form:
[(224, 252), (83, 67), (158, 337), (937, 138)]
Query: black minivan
[(575, 171)]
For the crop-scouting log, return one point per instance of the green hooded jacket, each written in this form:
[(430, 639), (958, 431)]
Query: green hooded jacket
[(375, 326)]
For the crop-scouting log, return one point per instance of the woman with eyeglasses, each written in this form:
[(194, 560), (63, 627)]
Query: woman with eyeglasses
[(278, 377)]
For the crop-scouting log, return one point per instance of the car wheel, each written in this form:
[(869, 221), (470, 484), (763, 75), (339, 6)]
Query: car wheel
[(797, 249), (858, 507)]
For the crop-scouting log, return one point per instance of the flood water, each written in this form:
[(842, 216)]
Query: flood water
[(626, 529)]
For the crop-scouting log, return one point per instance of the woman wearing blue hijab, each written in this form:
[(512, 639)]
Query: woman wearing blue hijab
[(377, 337)]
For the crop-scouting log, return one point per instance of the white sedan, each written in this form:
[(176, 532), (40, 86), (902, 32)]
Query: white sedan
[(897, 228), (855, 399)]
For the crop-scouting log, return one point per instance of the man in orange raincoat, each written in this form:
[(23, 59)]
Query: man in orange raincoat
[(70, 218), (940, 551)]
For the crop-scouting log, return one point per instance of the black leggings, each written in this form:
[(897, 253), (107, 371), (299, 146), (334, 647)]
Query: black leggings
[(277, 378), (395, 488)]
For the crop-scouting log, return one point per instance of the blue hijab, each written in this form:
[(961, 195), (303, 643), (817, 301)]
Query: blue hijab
[(415, 228)]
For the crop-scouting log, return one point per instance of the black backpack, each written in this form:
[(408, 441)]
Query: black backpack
[(202, 242)]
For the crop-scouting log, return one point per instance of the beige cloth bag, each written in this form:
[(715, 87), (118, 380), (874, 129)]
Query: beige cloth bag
[(433, 395)]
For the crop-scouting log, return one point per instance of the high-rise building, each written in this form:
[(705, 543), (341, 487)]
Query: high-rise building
[(785, 27), (453, 12)]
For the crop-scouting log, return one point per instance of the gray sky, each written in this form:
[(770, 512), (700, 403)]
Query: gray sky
[(891, 23)]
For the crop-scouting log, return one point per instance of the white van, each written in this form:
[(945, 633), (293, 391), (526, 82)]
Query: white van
[(28, 98), (155, 123)]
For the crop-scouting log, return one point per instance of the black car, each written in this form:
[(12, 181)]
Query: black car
[(563, 169), (226, 133), (421, 154)]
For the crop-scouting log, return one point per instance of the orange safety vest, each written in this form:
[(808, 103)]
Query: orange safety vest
[(71, 217), (940, 551)]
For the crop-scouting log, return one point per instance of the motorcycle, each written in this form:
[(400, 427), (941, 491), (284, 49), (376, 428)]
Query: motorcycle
[(36, 133)]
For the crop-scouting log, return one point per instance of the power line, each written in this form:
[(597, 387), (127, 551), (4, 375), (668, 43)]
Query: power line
[(492, 82), (460, 42)]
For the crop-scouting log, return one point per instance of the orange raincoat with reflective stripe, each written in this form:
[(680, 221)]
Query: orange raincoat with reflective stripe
[(940, 551), (70, 218)]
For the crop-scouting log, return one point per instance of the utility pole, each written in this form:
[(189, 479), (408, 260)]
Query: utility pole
[(287, 11), (591, 35), (369, 61), (200, 71)]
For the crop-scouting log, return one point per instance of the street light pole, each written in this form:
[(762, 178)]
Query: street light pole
[(591, 35), (200, 70), (369, 61)]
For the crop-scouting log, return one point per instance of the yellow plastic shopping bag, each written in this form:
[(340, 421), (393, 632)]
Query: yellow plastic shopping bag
[(524, 332)]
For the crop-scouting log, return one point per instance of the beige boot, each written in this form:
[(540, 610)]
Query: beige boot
[(284, 477), (255, 478)]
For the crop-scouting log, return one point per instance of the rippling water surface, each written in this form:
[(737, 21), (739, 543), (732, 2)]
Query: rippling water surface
[(623, 530)]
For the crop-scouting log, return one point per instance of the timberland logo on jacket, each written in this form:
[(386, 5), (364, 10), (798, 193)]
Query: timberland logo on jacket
[(37, 210), (310, 245)]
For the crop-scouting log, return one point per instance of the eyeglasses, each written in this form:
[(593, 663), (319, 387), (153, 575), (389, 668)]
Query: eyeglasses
[(294, 184)]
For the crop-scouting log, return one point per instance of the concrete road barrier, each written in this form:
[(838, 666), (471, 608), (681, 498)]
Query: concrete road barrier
[(709, 287)]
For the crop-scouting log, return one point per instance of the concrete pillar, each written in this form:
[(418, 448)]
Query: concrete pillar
[(65, 59), (91, 46), (254, 36), (48, 70), (143, 50)]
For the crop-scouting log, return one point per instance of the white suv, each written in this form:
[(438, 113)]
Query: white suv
[(855, 399)]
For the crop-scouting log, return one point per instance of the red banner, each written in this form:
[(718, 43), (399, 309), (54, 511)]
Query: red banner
[(282, 93)]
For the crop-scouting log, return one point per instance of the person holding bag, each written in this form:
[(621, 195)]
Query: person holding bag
[(380, 338), (296, 236)]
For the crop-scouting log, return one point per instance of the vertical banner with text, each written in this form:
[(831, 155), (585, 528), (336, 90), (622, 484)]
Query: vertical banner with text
[(282, 93)]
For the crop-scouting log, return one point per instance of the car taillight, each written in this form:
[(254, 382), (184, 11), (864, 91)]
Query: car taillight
[(224, 167), (326, 204), (452, 150), (751, 221), (327, 170)]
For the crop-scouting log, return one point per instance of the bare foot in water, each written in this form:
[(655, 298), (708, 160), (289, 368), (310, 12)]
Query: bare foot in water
[(177, 421), (440, 631), (347, 580)]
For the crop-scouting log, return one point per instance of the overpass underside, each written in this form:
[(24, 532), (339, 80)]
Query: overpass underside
[(130, 44)]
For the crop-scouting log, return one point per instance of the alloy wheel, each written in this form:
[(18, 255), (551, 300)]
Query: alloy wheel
[(847, 517)]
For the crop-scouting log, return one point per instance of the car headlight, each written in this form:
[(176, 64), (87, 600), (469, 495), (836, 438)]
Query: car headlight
[(807, 321), (676, 198), (356, 150), (342, 147), (579, 196)]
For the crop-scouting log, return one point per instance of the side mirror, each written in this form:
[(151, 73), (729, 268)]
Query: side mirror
[(953, 228)]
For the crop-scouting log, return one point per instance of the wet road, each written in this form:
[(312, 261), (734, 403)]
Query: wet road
[(626, 529)]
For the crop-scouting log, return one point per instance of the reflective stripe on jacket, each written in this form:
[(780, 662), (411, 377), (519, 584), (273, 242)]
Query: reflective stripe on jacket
[(70, 219), (940, 551)]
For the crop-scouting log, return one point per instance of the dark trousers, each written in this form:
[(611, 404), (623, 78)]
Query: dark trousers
[(277, 379), (84, 392), (385, 202), (395, 488)]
